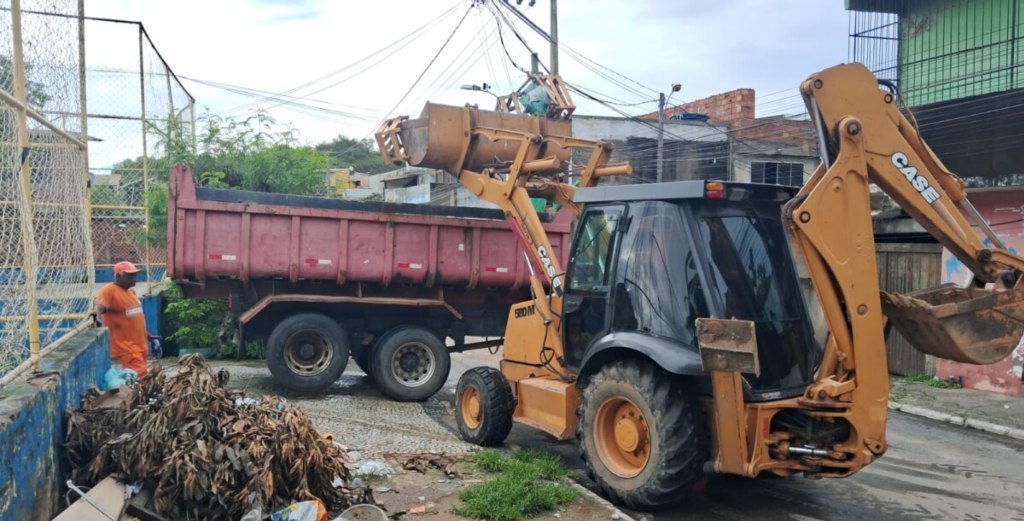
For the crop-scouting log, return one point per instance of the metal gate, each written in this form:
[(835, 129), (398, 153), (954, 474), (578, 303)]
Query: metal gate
[(903, 268)]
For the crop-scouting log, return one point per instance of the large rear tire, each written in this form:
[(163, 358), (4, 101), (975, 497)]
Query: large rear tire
[(409, 364), (640, 434), (483, 406), (307, 352)]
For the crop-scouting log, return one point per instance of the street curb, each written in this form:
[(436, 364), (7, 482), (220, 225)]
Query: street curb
[(980, 425), (622, 516)]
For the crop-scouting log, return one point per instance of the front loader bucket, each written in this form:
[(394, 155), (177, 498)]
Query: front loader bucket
[(973, 326)]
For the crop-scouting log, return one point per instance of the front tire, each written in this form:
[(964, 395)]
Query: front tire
[(307, 352), (409, 364), (640, 435), (483, 406)]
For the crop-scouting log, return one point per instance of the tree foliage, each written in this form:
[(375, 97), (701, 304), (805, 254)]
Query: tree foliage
[(35, 92), (349, 153), (253, 153)]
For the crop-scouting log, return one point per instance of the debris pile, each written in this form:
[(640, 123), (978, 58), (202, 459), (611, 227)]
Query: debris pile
[(424, 463), (203, 451)]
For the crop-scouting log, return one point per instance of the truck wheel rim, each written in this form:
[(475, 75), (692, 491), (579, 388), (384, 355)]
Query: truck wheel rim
[(308, 353), (413, 364), (622, 437), (470, 407)]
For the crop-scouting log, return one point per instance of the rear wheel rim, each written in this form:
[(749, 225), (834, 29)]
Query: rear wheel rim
[(308, 353), (622, 437), (470, 407), (413, 364)]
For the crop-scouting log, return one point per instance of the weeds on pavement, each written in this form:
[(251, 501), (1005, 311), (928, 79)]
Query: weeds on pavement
[(529, 482)]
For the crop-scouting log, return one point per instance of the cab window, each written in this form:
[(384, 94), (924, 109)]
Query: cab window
[(591, 255)]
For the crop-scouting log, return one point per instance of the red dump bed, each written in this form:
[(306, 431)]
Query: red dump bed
[(214, 234)]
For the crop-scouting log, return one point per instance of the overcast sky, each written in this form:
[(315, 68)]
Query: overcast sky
[(708, 46)]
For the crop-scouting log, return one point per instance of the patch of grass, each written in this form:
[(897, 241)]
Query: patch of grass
[(529, 482), (932, 381)]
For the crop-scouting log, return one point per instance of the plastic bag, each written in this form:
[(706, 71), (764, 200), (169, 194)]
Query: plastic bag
[(304, 511), (373, 469), (115, 378), (156, 350), (535, 100), (255, 514)]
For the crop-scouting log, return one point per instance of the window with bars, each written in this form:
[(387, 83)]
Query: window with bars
[(786, 174)]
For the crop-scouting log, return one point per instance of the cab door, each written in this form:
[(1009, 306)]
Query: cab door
[(590, 269)]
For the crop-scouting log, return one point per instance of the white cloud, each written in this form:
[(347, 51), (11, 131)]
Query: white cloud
[(276, 45)]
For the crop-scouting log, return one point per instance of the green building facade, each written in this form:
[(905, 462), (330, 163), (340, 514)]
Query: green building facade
[(960, 65)]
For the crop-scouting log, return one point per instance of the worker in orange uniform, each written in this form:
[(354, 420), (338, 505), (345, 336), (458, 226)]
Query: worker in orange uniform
[(121, 310)]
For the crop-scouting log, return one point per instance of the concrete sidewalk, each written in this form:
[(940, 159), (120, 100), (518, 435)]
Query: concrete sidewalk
[(988, 412)]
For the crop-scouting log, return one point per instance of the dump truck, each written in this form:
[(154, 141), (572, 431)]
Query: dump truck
[(395, 286), (710, 326)]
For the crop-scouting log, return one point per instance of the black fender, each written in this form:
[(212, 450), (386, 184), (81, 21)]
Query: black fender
[(672, 356)]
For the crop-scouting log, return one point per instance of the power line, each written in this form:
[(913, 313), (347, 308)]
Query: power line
[(408, 39), (501, 38), (432, 60)]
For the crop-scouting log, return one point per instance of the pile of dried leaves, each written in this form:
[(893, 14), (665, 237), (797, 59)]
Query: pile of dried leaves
[(204, 453)]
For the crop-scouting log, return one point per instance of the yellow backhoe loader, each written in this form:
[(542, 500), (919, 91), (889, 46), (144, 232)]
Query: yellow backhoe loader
[(706, 326)]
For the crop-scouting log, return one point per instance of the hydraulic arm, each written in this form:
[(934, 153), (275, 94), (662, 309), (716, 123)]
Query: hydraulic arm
[(865, 138), (505, 159)]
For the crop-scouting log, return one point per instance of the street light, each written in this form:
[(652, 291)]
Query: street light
[(662, 101), (478, 88)]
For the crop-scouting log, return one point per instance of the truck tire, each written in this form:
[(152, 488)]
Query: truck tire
[(409, 364), (307, 352), (640, 434), (483, 406)]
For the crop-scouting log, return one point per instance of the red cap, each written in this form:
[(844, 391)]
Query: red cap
[(125, 267)]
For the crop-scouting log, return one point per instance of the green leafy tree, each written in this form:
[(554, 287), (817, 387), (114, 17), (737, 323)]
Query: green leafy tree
[(305, 167), (360, 155), (35, 92), (194, 323)]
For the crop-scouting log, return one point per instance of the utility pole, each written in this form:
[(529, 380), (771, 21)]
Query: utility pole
[(661, 137), (662, 100), (554, 36)]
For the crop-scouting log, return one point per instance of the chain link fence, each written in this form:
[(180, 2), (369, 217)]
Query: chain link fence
[(66, 208), (46, 265), (138, 114)]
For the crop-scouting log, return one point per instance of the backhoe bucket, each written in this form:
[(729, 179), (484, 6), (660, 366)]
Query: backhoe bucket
[(973, 326)]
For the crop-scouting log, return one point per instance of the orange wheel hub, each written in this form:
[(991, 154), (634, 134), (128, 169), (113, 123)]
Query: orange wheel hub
[(622, 437), (470, 407)]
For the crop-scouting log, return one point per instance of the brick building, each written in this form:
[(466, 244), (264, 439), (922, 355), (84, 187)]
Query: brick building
[(773, 150)]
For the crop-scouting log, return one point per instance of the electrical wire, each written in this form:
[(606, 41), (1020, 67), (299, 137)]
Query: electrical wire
[(430, 63), (412, 36), (501, 37)]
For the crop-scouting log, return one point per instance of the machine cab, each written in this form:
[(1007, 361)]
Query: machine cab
[(648, 260)]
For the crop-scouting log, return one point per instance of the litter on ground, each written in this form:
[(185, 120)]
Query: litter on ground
[(206, 452)]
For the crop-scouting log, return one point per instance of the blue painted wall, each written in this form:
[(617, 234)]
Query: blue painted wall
[(32, 425)]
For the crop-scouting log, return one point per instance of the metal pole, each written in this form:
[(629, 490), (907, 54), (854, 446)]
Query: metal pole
[(84, 124), (27, 239), (145, 159), (554, 36), (534, 63), (661, 135)]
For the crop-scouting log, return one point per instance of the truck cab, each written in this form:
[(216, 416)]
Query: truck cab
[(648, 260)]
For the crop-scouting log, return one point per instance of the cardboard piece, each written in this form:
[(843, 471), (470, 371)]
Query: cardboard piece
[(112, 399), (107, 495)]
